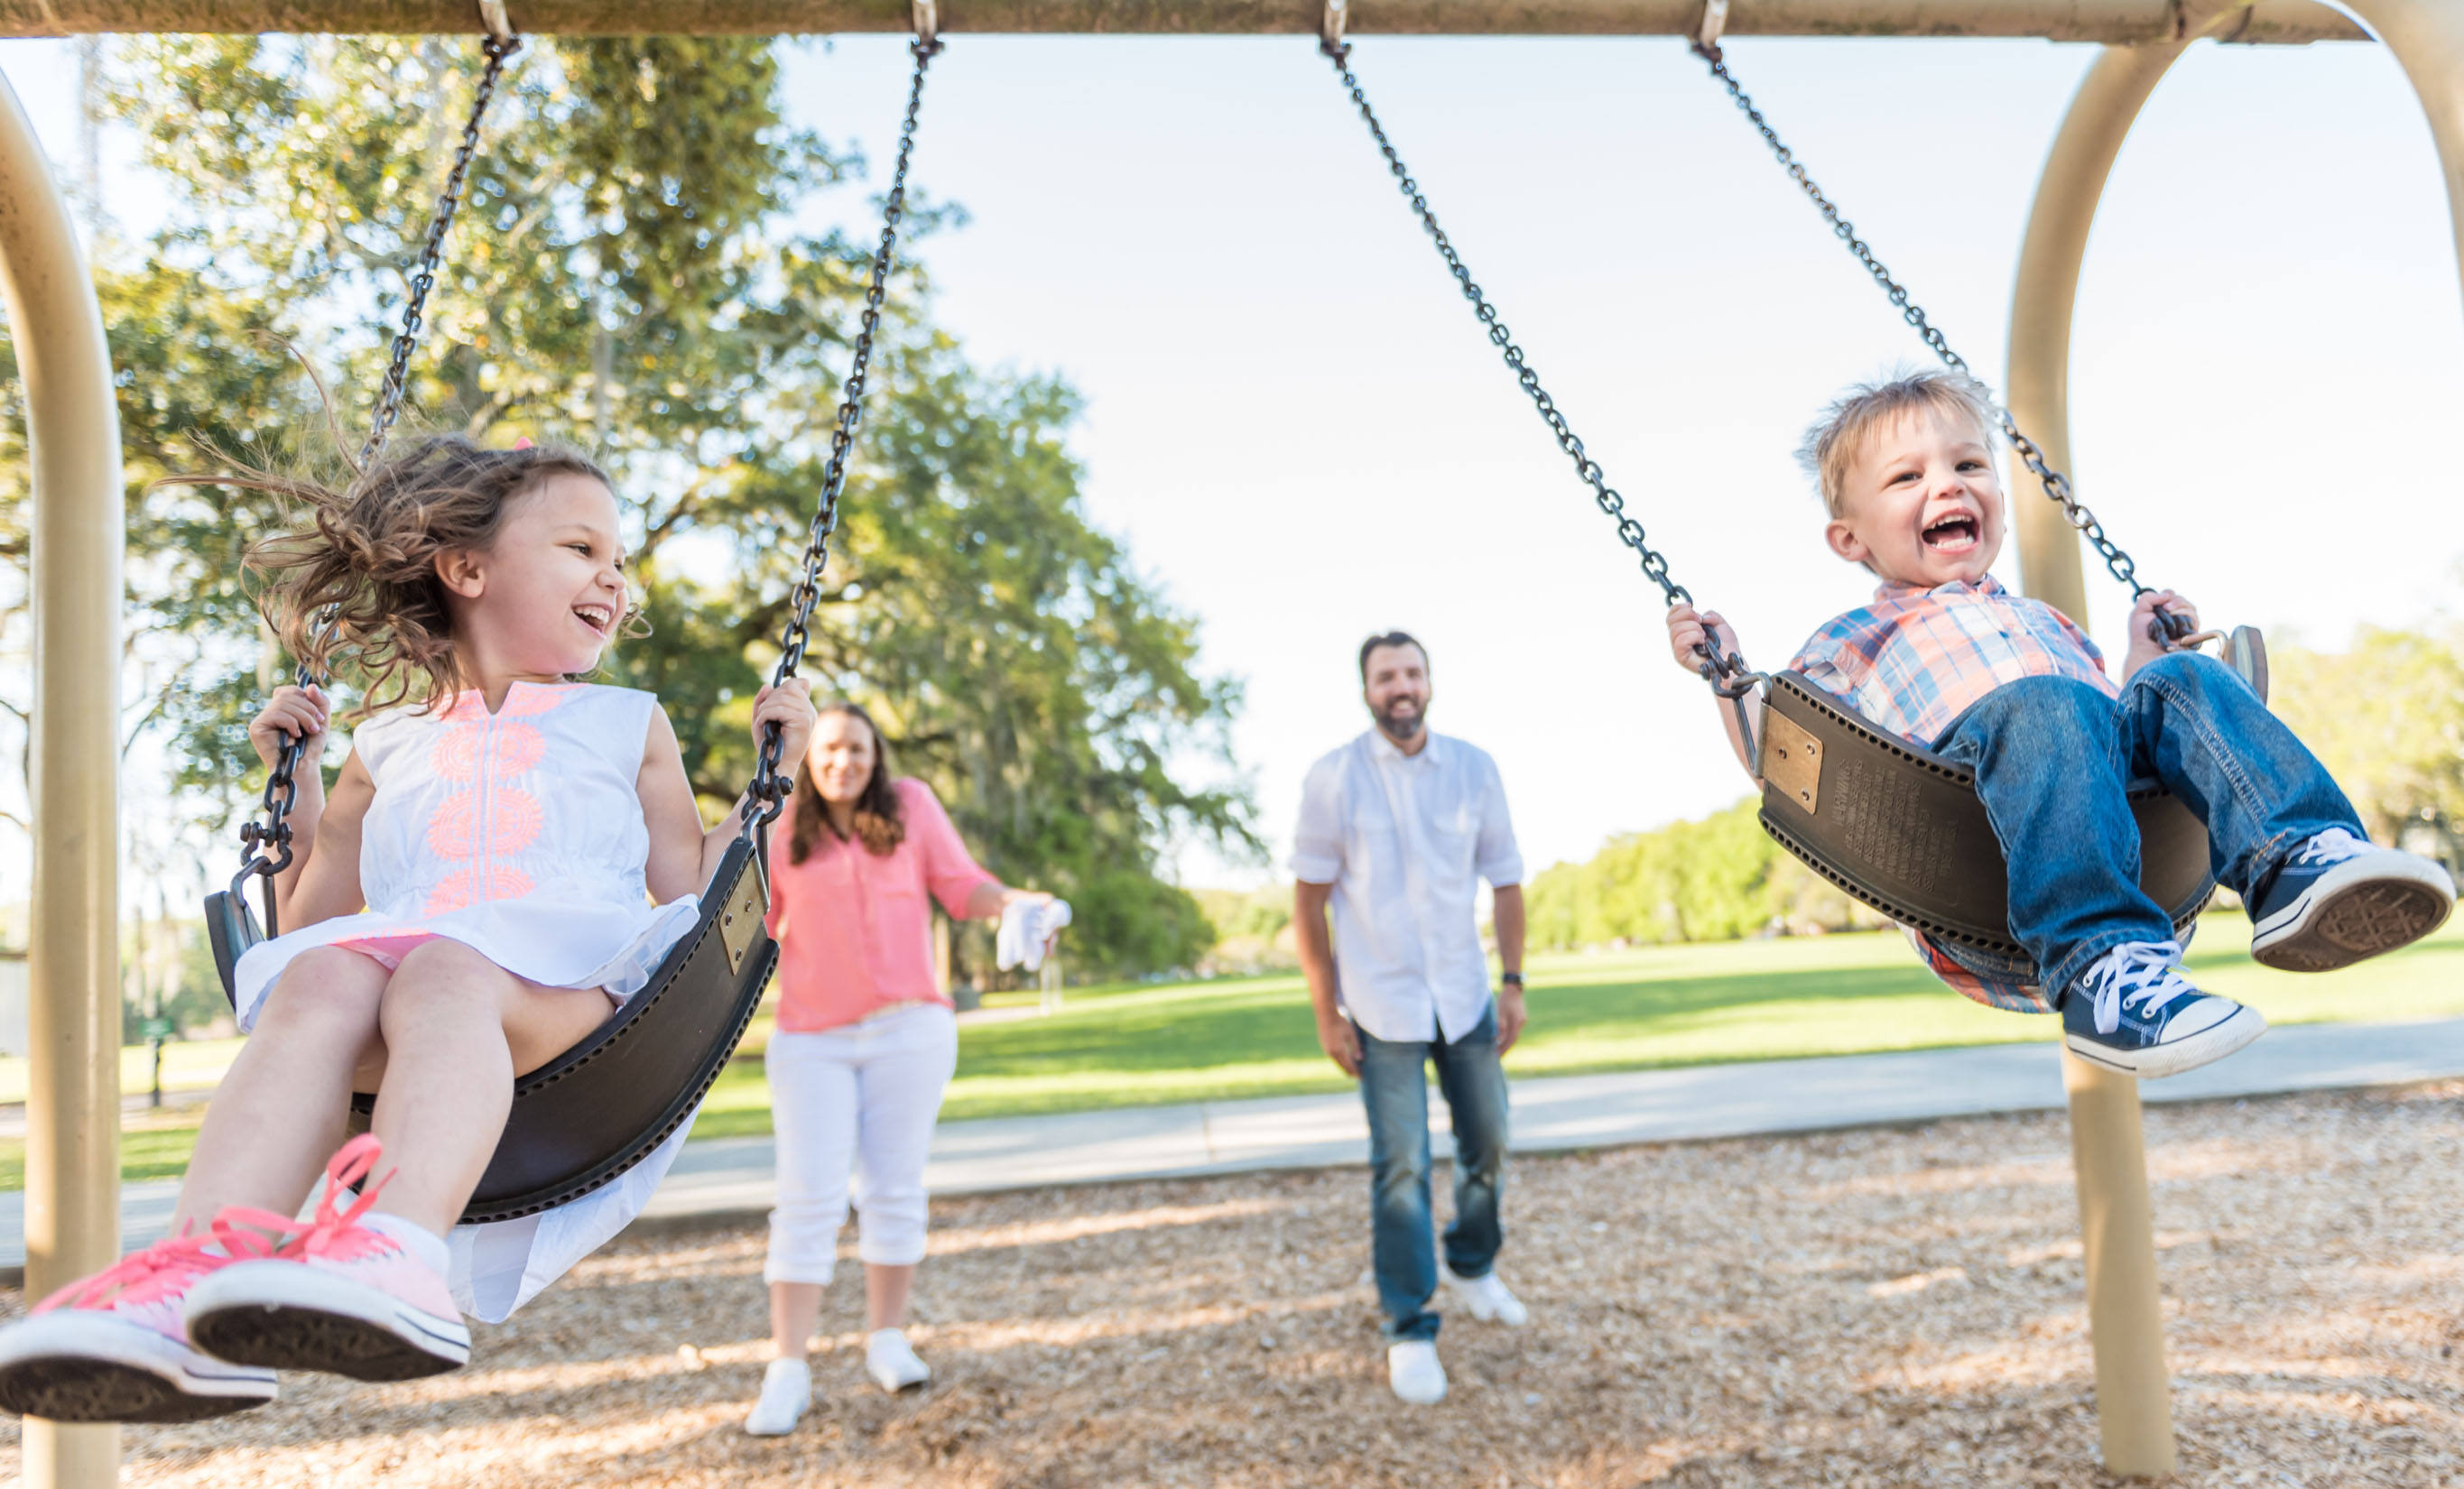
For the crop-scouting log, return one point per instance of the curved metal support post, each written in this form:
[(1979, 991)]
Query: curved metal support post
[(2108, 1153), (2134, 1411), (2038, 387), (2428, 39), (72, 1016)]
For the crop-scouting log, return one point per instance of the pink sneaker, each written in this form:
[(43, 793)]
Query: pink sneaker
[(337, 1297), (113, 1348)]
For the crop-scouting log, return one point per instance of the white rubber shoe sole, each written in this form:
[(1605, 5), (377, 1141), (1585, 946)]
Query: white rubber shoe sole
[(2356, 909), (1413, 1373), (84, 1366), (786, 1390), (292, 1317), (892, 1363), (1488, 1300), (2190, 1052)]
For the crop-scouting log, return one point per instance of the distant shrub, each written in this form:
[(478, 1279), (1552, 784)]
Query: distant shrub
[(1717, 878)]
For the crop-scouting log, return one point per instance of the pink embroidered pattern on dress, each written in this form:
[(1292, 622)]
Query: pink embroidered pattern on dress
[(492, 817)]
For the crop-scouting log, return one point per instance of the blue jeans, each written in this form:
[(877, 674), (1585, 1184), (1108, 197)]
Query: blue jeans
[(2053, 758), (1395, 1088)]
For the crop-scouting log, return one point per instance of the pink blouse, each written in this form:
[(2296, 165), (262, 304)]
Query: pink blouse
[(854, 934)]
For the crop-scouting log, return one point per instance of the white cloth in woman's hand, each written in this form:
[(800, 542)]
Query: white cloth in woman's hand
[(1026, 927)]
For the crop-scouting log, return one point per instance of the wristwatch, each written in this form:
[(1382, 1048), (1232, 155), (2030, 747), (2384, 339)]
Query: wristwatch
[(1512, 979)]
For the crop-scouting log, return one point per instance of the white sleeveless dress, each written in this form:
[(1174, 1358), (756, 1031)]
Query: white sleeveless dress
[(519, 834)]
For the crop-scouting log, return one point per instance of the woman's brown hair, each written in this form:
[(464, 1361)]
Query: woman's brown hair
[(880, 824), (370, 553)]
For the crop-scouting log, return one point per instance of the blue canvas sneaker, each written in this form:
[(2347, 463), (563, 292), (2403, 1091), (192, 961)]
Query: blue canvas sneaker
[(2134, 1012), (2340, 899)]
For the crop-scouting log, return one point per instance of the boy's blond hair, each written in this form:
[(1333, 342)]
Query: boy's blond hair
[(1832, 445)]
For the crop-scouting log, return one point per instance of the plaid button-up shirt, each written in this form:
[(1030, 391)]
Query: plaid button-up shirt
[(1916, 659)]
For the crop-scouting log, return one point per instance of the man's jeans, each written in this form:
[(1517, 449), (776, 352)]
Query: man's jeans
[(1395, 1088), (2053, 758)]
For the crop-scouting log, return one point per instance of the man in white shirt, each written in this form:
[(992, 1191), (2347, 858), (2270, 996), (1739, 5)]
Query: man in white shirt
[(1395, 829)]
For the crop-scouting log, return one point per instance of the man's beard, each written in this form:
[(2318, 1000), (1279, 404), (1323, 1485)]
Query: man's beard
[(1402, 731)]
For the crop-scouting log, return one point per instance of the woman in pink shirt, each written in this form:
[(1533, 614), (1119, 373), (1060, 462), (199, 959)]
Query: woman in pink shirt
[(866, 1042)]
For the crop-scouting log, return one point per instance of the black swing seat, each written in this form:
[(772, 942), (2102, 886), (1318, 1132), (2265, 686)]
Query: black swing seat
[(1901, 829), (586, 1117)]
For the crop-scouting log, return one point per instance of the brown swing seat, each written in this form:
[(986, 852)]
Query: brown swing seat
[(586, 1117), (1901, 829)]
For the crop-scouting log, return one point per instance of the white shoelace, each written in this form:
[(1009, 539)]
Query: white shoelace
[(2136, 975), (2332, 847)]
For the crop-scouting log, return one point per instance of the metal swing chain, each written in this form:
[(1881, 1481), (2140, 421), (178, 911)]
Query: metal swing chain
[(264, 846), (423, 278), (2057, 486), (1726, 673), (769, 789)]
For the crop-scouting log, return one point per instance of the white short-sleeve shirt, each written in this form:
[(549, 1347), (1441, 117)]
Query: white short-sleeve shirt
[(1404, 840)]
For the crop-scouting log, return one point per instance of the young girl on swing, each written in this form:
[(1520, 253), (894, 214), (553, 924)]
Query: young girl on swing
[(507, 850)]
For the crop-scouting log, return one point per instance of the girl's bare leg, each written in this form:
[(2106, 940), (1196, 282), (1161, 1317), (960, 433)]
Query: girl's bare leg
[(457, 1029), (279, 1114), (795, 1312), (885, 1296)]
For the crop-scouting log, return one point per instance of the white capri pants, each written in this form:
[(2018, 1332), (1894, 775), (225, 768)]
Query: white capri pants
[(855, 1101)]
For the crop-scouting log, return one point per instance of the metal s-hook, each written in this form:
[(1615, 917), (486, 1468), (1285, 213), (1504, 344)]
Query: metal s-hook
[(491, 14), (1330, 28), (927, 24), (1707, 30)]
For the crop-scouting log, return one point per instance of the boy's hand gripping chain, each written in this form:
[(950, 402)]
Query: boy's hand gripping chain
[(2057, 486), (1726, 672), (767, 796), (264, 846)]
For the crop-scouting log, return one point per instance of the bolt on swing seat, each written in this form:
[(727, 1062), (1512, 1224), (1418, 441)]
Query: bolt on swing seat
[(1888, 821), (597, 1110)]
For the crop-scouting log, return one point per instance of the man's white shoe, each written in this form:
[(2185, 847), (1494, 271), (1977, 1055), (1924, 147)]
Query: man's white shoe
[(786, 1389), (892, 1362), (1413, 1369), (1486, 1299)]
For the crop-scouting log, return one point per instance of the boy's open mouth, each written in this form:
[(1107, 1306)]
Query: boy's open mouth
[(1954, 534)]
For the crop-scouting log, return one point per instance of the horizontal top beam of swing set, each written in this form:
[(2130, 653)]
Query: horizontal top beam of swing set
[(2119, 22)]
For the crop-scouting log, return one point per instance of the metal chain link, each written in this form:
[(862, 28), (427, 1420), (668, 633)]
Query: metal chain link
[(2057, 486), (423, 277), (770, 787), (1726, 673), (266, 846)]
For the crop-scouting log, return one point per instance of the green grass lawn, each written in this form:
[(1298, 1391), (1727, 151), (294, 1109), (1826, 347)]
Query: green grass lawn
[(1152, 1044)]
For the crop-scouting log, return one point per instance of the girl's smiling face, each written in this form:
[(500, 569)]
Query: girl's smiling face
[(546, 596), (1921, 503)]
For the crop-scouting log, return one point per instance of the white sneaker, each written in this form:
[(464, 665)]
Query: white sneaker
[(892, 1362), (1413, 1369), (786, 1389), (1488, 1301)]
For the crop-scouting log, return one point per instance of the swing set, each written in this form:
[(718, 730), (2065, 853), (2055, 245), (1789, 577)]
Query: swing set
[(1892, 825)]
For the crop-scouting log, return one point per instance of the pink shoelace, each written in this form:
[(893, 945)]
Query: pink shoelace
[(332, 1232), (164, 1269)]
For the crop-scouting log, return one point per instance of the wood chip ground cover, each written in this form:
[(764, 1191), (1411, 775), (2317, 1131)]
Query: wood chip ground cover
[(1878, 1307)]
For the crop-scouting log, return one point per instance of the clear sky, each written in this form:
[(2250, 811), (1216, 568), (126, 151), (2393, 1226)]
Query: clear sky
[(1303, 435)]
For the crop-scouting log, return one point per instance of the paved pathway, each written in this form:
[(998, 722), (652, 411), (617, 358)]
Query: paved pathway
[(731, 1178)]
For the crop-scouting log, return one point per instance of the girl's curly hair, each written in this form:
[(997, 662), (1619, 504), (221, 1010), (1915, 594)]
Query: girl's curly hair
[(370, 551)]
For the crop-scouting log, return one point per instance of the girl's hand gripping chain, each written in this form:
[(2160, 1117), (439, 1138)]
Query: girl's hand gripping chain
[(790, 706), (298, 713)]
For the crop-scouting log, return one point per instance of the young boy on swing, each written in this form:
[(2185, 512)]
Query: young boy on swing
[(2011, 688)]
